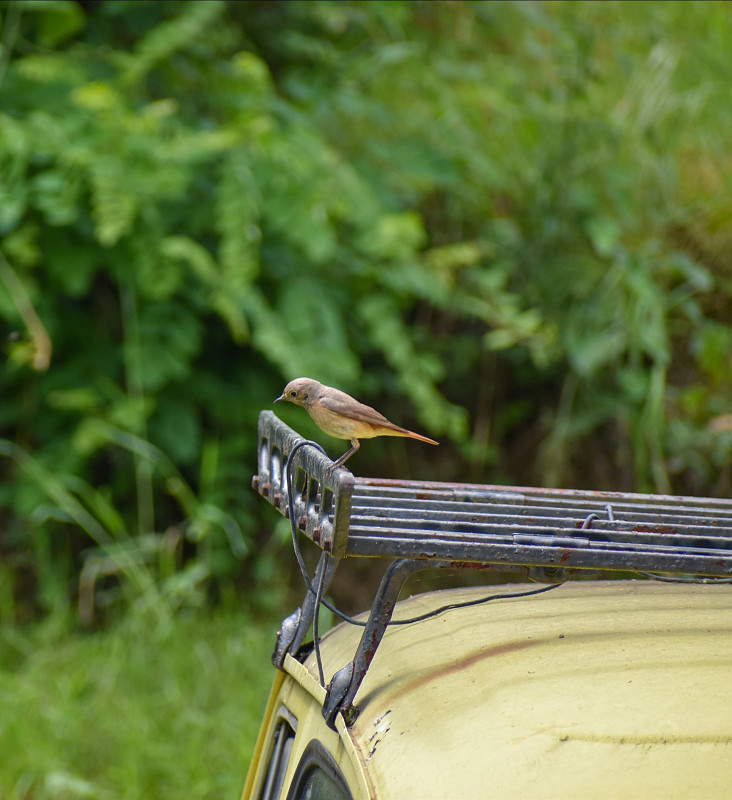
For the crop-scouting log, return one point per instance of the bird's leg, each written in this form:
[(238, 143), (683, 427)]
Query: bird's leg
[(342, 460)]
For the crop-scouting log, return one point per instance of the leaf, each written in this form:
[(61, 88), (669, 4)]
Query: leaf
[(169, 337), (56, 194), (172, 35), (300, 191), (176, 428), (237, 213), (157, 277), (195, 255), (14, 155), (114, 205), (604, 234), (269, 336), (55, 20), (314, 314), (415, 372), (394, 236), (592, 351)]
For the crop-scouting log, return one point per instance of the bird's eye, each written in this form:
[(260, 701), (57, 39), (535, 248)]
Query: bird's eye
[(293, 394)]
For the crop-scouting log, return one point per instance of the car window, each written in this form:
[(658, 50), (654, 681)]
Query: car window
[(318, 785), (281, 748), (318, 777)]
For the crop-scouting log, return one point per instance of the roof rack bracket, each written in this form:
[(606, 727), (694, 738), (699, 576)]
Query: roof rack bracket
[(341, 691), (292, 632)]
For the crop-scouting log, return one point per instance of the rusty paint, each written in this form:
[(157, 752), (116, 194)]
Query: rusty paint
[(381, 729), (652, 529), (428, 676), (468, 565)]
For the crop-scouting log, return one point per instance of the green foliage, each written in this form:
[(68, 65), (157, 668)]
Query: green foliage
[(514, 216)]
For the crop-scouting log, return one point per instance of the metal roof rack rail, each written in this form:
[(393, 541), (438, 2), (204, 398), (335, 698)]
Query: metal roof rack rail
[(425, 524)]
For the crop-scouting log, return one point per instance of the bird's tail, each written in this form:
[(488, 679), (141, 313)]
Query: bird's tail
[(421, 438), (397, 431)]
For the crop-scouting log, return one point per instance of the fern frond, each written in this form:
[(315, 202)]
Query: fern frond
[(173, 35), (113, 207), (195, 255), (416, 372), (237, 220)]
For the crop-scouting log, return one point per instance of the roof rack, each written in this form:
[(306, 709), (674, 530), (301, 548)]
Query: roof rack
[(425, 524), (349, 516)]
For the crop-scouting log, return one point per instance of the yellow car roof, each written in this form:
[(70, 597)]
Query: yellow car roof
[(616, 689)]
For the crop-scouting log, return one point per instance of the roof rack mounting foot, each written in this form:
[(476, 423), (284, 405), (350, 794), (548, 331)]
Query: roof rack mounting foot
[(548, 574), (343, 686), (292, 632)]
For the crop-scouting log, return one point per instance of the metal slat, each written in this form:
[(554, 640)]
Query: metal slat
[(388, 499), (387, 496), (569, 518), (510, 535), (681, 536), (458, 519), (470, 492), (644, 558)]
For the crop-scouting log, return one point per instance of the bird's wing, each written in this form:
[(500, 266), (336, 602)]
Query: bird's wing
[(348, 407)]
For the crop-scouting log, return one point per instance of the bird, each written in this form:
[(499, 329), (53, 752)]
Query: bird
[(338, 414)]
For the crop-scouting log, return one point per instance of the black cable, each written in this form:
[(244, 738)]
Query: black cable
[(479, 601), (293, 530), (316, 619)]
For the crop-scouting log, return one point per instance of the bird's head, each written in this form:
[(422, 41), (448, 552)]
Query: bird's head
[(301, 392)]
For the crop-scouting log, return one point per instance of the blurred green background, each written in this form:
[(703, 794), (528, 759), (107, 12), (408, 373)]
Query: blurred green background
[(505, 224)]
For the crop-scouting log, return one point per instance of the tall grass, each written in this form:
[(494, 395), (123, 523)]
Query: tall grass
[(136, 711)]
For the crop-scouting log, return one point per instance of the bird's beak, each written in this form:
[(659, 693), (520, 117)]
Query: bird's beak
[(280, 399)]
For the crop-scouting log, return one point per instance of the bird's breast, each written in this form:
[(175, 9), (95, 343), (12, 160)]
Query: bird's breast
[(341, 426)]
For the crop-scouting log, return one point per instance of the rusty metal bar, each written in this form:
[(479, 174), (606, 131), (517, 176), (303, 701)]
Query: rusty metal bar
[(341, 690)]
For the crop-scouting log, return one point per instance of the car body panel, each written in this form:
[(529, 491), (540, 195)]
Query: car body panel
[(596, 690), (297, 695)]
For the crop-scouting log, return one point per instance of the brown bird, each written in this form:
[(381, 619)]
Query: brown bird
[(338, 414)]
